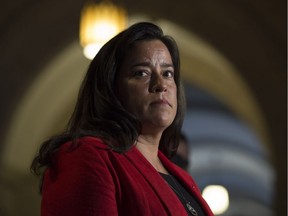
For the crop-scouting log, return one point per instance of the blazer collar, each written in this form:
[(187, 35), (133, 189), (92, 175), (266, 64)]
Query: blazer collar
[(161, 187), (170, 200)]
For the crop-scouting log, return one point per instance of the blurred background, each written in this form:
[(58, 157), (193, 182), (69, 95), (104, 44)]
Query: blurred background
[(233, 56)]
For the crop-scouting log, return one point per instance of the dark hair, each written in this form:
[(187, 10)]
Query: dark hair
[(98, 111)]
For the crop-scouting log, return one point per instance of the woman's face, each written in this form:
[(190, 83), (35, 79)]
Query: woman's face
[(146, 85)]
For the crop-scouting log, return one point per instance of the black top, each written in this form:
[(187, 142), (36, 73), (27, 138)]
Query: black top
[(184, 196)]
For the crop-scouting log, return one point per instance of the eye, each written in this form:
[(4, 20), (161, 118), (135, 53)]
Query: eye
[(168, 74), (141, 73)]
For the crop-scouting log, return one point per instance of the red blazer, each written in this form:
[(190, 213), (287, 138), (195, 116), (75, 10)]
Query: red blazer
[(94, 180)]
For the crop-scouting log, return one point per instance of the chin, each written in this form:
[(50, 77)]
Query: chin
[(163, 124)]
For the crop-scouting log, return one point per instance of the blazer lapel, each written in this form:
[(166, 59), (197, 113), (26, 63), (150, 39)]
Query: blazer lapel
[(159, 185)]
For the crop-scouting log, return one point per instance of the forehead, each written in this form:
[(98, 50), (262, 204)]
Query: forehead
[(147, 50)]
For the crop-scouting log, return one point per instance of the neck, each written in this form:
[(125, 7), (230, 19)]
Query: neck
[(148, 146)]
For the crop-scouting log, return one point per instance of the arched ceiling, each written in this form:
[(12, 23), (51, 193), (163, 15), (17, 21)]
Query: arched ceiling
[(250, 34), (45, 108)]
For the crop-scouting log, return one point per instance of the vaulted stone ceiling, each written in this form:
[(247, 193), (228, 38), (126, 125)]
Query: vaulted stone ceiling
[(250, 34)]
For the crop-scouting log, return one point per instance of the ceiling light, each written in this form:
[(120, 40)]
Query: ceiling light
[(99, 23), (217, 198)]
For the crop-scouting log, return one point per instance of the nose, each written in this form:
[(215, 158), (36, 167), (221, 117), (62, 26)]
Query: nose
[(158, 84)]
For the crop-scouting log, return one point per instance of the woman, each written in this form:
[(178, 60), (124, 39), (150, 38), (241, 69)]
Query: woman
[(112, 159)]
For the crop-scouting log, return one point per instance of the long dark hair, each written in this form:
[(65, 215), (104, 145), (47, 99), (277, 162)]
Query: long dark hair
[(99, 113)]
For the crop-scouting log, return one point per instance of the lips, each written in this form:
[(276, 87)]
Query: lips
[(161, 102)]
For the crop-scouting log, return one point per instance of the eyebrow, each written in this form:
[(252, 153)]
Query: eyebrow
[(148, 64)]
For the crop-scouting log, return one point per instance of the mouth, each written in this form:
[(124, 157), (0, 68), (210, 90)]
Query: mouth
[(161, 102)]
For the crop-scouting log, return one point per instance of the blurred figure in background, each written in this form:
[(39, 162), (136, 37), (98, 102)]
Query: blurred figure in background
[(181, 158)]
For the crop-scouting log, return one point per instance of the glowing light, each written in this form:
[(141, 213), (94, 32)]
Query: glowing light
[(217, 198), (98, 24), (91, 50)]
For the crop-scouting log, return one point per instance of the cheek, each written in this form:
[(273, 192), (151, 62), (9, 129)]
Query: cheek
[(174, 95), (129, 95)]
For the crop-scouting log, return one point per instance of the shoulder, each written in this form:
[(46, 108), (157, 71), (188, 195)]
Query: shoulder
[(89, 156), (80, 172), (85, 143), (92, 141), (85, 150)]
